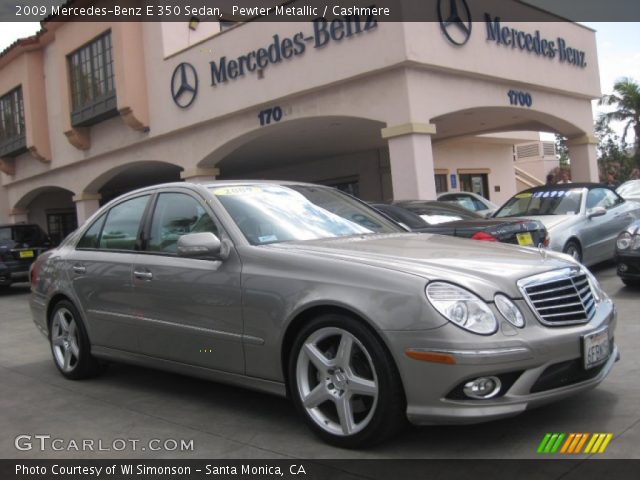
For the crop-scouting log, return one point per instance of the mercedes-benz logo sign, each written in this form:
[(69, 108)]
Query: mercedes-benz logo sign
[(184, 85), (455, 21)]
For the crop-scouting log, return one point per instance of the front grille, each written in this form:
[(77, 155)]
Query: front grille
[(560, 298)]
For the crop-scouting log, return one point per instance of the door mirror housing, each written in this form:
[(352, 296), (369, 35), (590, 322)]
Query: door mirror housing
[(596, 212), (199, 245)]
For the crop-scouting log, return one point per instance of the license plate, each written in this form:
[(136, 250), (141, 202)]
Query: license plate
[(26, 254), (524, 239), (595, 348)]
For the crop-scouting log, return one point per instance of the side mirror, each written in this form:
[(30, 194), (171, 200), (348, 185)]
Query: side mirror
[(196, 245), (596, 212)]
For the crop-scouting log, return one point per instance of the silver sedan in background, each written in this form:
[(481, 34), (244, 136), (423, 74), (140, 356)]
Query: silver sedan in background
[(583, 219), (301, 290)]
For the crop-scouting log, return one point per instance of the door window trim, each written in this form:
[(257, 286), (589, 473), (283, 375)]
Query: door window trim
[(105, 214), (148, 219)]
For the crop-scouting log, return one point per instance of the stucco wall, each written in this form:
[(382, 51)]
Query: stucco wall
[(497, 158)]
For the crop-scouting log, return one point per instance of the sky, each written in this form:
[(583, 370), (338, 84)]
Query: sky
[(618, 46)]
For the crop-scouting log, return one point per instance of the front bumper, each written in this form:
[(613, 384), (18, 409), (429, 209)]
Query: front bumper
[(628, 265), (543, 365), (13, 273)]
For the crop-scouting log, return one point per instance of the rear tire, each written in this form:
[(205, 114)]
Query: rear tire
[(572, 248), (345, 384), (70, 344)]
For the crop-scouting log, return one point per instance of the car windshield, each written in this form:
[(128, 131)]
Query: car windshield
[(543, 202), (271, 213), (436, 215)]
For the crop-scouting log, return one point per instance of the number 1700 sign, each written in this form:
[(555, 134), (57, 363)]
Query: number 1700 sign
[(522, 99)]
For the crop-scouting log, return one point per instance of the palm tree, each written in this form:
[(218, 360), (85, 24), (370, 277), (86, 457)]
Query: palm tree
[(626, 99)]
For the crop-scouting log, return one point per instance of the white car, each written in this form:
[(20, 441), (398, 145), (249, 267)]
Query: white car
[(470, 201), (630, 190)]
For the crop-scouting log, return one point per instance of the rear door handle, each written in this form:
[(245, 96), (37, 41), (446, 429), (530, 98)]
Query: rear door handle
[(143, 275), (79, 269)]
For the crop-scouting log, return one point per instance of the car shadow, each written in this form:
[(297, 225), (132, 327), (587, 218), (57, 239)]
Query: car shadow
[(15, 290), (271, 422)]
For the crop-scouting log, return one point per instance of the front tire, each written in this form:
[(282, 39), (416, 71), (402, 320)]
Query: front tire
[(70, 344), (573, 249), (345, 384)]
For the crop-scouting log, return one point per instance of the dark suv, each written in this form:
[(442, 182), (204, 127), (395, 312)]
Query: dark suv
[(20, 245)]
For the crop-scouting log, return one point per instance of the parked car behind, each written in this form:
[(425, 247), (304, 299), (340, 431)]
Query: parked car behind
[(448, 219), (583, 219), (471, 201), (630, 190), (628, 255), (302, 290), (20, 245)]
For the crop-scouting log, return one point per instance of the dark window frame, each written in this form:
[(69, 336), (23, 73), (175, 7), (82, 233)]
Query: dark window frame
[(442, 182), (92, 82), (13, 138)]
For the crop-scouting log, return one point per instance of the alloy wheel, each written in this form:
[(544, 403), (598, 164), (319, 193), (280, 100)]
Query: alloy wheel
[(337, 381), (64, 340)]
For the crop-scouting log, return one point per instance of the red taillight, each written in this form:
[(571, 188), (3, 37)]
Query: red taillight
[(487, 237), (34, 274), (546, 239)]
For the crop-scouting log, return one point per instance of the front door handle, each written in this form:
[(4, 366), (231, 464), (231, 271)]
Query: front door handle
[(79, 269), (143, 275)]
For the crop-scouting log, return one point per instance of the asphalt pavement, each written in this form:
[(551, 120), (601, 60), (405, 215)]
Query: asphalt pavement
[(130, 406)]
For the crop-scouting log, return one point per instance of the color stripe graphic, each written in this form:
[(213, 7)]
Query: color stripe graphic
[(574, 443)]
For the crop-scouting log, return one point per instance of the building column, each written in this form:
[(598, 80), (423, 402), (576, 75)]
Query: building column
[(584, 158), (199, 175), (86, 205), (411, 160), (18, 215)]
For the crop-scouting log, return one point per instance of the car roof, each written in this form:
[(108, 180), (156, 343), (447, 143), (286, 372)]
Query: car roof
[(566, 186), (433, 204)]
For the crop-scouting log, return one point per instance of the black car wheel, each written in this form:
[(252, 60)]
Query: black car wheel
[(573, 248), (345, 383)]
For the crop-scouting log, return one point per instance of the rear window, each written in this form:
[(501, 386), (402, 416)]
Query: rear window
[(29, 234)]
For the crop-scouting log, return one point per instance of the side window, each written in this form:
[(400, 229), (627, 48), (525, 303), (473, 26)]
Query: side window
[(123, 222), (177, 214), (90, 237), (602, 197)]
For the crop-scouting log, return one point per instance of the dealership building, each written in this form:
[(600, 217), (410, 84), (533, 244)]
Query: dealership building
[(384, 110)]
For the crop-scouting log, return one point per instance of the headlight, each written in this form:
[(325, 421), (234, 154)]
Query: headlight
[(509, 310), (462, 308), (624, 241)]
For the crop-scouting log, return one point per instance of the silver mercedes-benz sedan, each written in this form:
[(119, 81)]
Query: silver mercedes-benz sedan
[(301, 290), (583, 219)]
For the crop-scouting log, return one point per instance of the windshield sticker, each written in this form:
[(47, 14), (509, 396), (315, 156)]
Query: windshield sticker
[(268, 238), (239, 190), (524, 195)]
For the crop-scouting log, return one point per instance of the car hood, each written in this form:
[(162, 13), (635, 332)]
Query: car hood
[(480, 266)]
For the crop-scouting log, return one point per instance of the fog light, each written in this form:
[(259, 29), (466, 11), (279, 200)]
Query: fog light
[(483, 387), (622, 267)]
